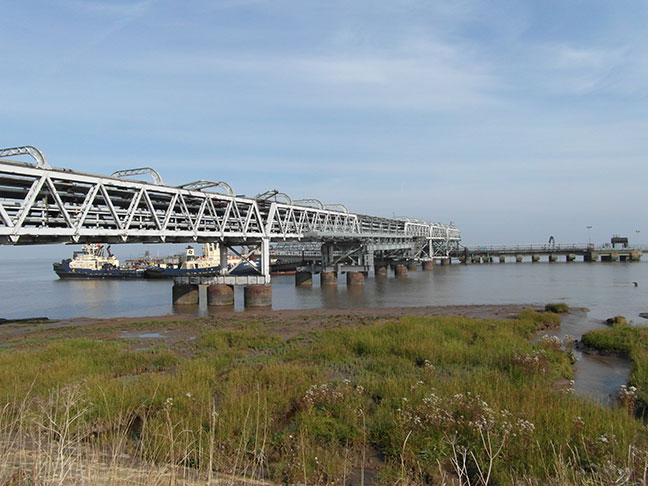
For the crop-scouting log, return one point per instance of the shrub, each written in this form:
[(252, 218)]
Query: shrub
[(543, 320), (557, 308)]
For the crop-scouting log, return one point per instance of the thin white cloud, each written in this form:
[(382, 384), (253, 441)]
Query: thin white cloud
[(123, 14), (112, 8)]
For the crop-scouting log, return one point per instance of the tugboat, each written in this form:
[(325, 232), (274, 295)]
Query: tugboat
[(95, 262), (208, 265), (190, 266)]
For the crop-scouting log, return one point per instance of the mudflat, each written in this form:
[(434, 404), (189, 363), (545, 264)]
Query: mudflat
[(176, 329)]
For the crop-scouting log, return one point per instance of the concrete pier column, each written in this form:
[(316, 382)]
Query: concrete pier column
[(328, 278), (303, 279), (614, 257), (400, 271), (444, 261), (635, 256), (412, 267), (185, 294), (553, 258), (428, 265), (535, 258), (258, 295), (518, 258), (220, 294), (355, 279), (590, 256), (571, 257), (475, 259), (380, 272), (502, 258)]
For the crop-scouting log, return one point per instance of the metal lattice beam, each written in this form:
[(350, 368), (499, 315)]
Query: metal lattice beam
[(40, 204)]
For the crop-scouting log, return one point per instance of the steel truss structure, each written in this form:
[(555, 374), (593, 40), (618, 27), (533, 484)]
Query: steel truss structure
[(40, 204)]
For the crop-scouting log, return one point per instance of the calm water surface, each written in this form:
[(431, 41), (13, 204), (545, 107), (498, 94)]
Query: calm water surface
[(31, 289)]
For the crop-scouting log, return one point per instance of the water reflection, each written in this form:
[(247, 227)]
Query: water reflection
[(30, 288)]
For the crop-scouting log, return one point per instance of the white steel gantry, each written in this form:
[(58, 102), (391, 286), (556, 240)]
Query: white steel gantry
[(41, 204)]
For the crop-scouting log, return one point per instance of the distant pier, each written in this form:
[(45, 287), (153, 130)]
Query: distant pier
[(548, 253)]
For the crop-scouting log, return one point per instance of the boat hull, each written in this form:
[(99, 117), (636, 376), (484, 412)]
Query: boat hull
[(64, 271), (155, 272)]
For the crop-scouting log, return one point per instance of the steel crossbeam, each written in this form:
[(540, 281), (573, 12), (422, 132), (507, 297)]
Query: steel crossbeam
[(40, 204)]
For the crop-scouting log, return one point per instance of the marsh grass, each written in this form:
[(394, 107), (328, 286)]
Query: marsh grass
[(557, 308), (628, 341), (417, 400)]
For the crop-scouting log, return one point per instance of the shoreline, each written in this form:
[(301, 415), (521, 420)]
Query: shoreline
[(478, 311)]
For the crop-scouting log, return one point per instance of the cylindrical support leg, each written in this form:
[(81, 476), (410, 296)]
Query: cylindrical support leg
[(355, 278), (304, 279), (428, 265), (381, 272), (518, 258), (400, 271), (502, 258), (412, 267), (535, 258), (220, 294), (328, 278), (258, 295), (444, 261), (185, 294), (553, 258), (571, 257)]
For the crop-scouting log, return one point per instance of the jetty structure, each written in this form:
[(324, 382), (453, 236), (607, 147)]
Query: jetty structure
[(618, 250), (298, 255), (41, 204)]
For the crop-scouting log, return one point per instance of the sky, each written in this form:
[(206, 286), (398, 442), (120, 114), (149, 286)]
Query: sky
[(516, 120)]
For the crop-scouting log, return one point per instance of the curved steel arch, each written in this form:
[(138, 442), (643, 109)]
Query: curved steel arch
[(337, 205), (273, 193), (304, 202), (33, 152), (205, 184), (157, 178)]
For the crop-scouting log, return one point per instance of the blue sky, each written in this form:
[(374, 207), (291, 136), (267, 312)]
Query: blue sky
[(516, 120)]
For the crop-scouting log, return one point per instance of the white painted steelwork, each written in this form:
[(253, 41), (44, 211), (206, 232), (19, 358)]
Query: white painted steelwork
[(41, 204)]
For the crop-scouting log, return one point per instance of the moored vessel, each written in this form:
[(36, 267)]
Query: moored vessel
[(94, 261), (190, 265), (207, 265)]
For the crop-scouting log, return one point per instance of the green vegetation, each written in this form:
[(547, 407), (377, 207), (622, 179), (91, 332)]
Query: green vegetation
[(238, 340), (542, 320), (421, 400), (630, 342), (559, 308), (617, 320)]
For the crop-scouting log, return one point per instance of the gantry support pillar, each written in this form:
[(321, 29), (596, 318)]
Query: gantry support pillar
[(428, 265), (400, 271), (220, 294), (303, 279), (328, 279), (185, 294)]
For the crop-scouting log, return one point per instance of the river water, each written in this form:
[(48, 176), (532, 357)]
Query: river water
[(30, 288)]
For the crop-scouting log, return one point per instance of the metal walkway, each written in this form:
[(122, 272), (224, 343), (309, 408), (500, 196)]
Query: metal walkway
[(41, 204)]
